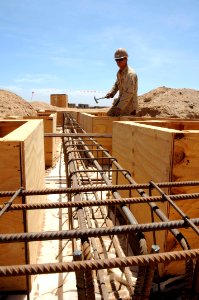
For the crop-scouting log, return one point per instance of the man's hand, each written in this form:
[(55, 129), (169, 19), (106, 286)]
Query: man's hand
[(109, 95)]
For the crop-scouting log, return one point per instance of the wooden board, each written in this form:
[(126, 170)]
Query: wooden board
[(152, 152), (7, 127), (135, 148), (12, 222), (98, 123), (50, 123), (22, 164), (34, 178), (50, 142)]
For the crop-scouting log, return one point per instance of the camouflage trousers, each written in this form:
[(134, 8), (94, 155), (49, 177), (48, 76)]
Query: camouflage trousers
[(115, 111)]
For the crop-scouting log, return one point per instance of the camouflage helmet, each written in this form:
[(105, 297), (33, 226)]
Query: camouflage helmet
[(120, 53)]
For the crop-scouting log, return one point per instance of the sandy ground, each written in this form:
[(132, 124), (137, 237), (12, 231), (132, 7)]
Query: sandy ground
[(55, 286), (13, 105), (161, 102)]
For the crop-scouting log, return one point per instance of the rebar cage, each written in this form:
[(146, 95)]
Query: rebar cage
[(100, 222)]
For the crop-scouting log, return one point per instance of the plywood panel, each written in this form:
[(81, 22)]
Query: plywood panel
[(152, 151), (34, 178), (22, 162), (104, 124), (12, 222), (98, 123), (122, 151), (50, 123), (177, 124), (185, 168), (7, 127), (50, 142), (144, 152), (158, 153)]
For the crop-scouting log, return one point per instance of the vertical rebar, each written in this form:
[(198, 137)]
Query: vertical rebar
[(81, 289)]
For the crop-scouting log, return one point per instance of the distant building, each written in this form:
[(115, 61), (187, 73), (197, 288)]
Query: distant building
[(59, 100), (83, 105), (71, 105)]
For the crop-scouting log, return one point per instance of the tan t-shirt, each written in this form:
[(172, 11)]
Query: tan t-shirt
[(127, 85)]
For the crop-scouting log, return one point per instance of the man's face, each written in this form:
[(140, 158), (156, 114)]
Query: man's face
[(121, 63)]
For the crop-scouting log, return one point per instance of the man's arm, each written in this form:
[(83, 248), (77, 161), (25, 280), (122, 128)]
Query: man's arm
[(113, 91), (129, 92)]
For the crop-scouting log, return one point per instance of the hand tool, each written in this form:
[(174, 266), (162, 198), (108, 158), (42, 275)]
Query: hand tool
[(96, 99)]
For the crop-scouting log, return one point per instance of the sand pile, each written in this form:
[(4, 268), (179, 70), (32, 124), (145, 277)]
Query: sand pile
[(13, 105), (162, 102), (42, 106), (166, 102)]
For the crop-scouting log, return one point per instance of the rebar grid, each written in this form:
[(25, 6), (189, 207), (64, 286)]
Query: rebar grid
[(75, 148), (179, 237), (139, 244), (128, 275), (71, 162), (180, 212)]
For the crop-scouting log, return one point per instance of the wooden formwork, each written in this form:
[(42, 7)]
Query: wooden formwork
[(22, 165), (59, 100), (60, 115), (134, 118), (98, 123), (74, 112), (161, 151), (50, 125), (77, 112)]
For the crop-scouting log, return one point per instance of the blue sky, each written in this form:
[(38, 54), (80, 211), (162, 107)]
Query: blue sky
[(62, 46)]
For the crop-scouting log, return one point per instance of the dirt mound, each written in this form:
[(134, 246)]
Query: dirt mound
[(13, 105), (42, 106), (162, 102), (166, 102)]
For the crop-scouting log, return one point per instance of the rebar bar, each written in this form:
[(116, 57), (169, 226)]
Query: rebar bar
[(99, 264), (101, 202), (82, 223), (93, 232), (180, 212), (8, 204), (112, 187)]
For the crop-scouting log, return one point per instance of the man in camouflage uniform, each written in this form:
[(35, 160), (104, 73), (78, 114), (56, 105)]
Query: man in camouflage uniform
[(127, 85)]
